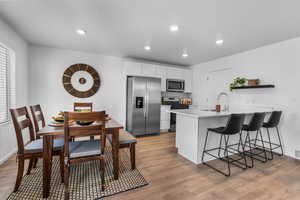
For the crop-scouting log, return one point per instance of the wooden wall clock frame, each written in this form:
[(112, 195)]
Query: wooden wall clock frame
[(69, 72)]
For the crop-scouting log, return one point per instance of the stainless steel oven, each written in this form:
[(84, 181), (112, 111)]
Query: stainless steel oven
[(175, 85)]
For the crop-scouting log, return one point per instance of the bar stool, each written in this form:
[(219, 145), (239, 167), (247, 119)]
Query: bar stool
[(273, 122), (255, 125), (233, 127)]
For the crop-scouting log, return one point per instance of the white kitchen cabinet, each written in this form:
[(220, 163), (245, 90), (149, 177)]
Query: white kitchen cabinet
[(164, 118), (162, 73), (133, 68), (149, 70), (175, 73), (188, 77)]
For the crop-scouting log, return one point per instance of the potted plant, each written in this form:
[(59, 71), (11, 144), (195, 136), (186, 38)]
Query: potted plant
[(237, 82)]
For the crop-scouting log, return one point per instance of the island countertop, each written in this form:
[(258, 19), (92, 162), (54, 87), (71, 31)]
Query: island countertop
[(198, 113)]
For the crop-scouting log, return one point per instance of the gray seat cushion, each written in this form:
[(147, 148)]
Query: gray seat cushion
[(124, 137), (84, 148), (36, 146)]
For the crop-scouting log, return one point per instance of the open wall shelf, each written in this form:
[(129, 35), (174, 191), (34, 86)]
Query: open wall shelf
[(253, 87)]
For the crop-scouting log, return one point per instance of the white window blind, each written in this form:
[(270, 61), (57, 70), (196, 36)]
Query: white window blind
[(4, 91)]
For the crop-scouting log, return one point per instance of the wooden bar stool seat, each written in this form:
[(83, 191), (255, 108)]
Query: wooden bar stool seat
[(126, 140)]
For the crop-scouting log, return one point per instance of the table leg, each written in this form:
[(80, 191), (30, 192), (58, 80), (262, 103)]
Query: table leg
[(47, 164), (115, 150)]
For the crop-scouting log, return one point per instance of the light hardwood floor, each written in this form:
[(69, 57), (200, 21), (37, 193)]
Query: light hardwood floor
[(171, 177)]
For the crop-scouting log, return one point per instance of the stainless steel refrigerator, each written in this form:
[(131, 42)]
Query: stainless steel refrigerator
[(143, 105)]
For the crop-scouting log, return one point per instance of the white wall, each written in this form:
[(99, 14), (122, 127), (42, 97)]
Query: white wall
[(277, 64), (19, 84), (46, 69)]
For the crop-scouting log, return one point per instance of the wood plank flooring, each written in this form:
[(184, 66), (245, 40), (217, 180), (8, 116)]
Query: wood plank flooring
[(171, 177)]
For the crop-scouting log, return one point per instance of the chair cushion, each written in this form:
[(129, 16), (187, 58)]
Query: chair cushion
[(36, 146), (86, 148), (217, 130), (124, 137)]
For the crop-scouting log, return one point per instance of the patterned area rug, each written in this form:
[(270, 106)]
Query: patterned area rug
[(85, 182)]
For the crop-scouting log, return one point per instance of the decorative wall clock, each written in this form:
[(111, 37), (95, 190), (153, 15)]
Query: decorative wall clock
[(81, 80)]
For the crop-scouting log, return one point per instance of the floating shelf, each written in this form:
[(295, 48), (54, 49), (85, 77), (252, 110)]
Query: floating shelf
[(253, 87)]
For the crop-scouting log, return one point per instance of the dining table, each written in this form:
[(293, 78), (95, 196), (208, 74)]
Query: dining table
[(50, 132)]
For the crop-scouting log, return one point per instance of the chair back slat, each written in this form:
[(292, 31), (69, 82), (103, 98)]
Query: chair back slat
[(20, 124), (37, 116), (76, 130), (80, 106), (24, 123)]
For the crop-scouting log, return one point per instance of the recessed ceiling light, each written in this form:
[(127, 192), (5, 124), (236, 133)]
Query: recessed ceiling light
[(185, 54), (219, 42), (147, 48), (81, 32), (174, 28)]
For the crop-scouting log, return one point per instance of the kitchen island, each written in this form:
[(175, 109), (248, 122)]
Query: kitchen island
[(191, 128)]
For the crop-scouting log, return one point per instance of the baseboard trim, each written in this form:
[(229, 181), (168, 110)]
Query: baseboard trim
[(7, 156)]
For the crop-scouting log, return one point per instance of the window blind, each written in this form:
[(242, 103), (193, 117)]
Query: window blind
[(4, 91)]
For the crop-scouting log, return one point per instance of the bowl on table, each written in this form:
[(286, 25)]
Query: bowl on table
[(84, 123), (58, 119)]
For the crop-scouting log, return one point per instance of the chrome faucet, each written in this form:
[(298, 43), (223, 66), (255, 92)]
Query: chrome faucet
[(224, 94)]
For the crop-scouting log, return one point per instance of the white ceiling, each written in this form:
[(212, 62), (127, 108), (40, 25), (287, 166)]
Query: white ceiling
[(123, 27)]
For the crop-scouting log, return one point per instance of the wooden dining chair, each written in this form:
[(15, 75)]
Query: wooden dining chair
[(87, 150), (34, 148), (38, 118), (83, 107)]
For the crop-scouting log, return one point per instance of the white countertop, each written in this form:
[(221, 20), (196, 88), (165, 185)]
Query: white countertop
[(197, 113)]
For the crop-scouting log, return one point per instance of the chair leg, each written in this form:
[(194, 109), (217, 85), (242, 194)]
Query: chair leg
[(30, 165), (104, 140), (220, 145), (243, 150), (279, 141), (132, 156), (251, 152), (35, 162), (66, 181), (19, 174), (226, 156), (271, 151), (102, 168), (263, 145), (61, 161), (204, 148)]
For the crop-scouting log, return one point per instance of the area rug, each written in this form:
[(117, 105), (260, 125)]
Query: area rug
[(85, 181)]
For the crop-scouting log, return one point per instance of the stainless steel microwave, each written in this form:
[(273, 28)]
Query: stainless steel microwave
[(175, 85)]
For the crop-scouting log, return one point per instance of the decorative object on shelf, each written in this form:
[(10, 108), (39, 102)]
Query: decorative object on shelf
[(253, 82), (81, 80), (237, 82)]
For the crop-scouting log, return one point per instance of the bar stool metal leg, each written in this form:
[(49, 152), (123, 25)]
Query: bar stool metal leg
[(279, 140), (264, 149), (270, 144), (250, 147)]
